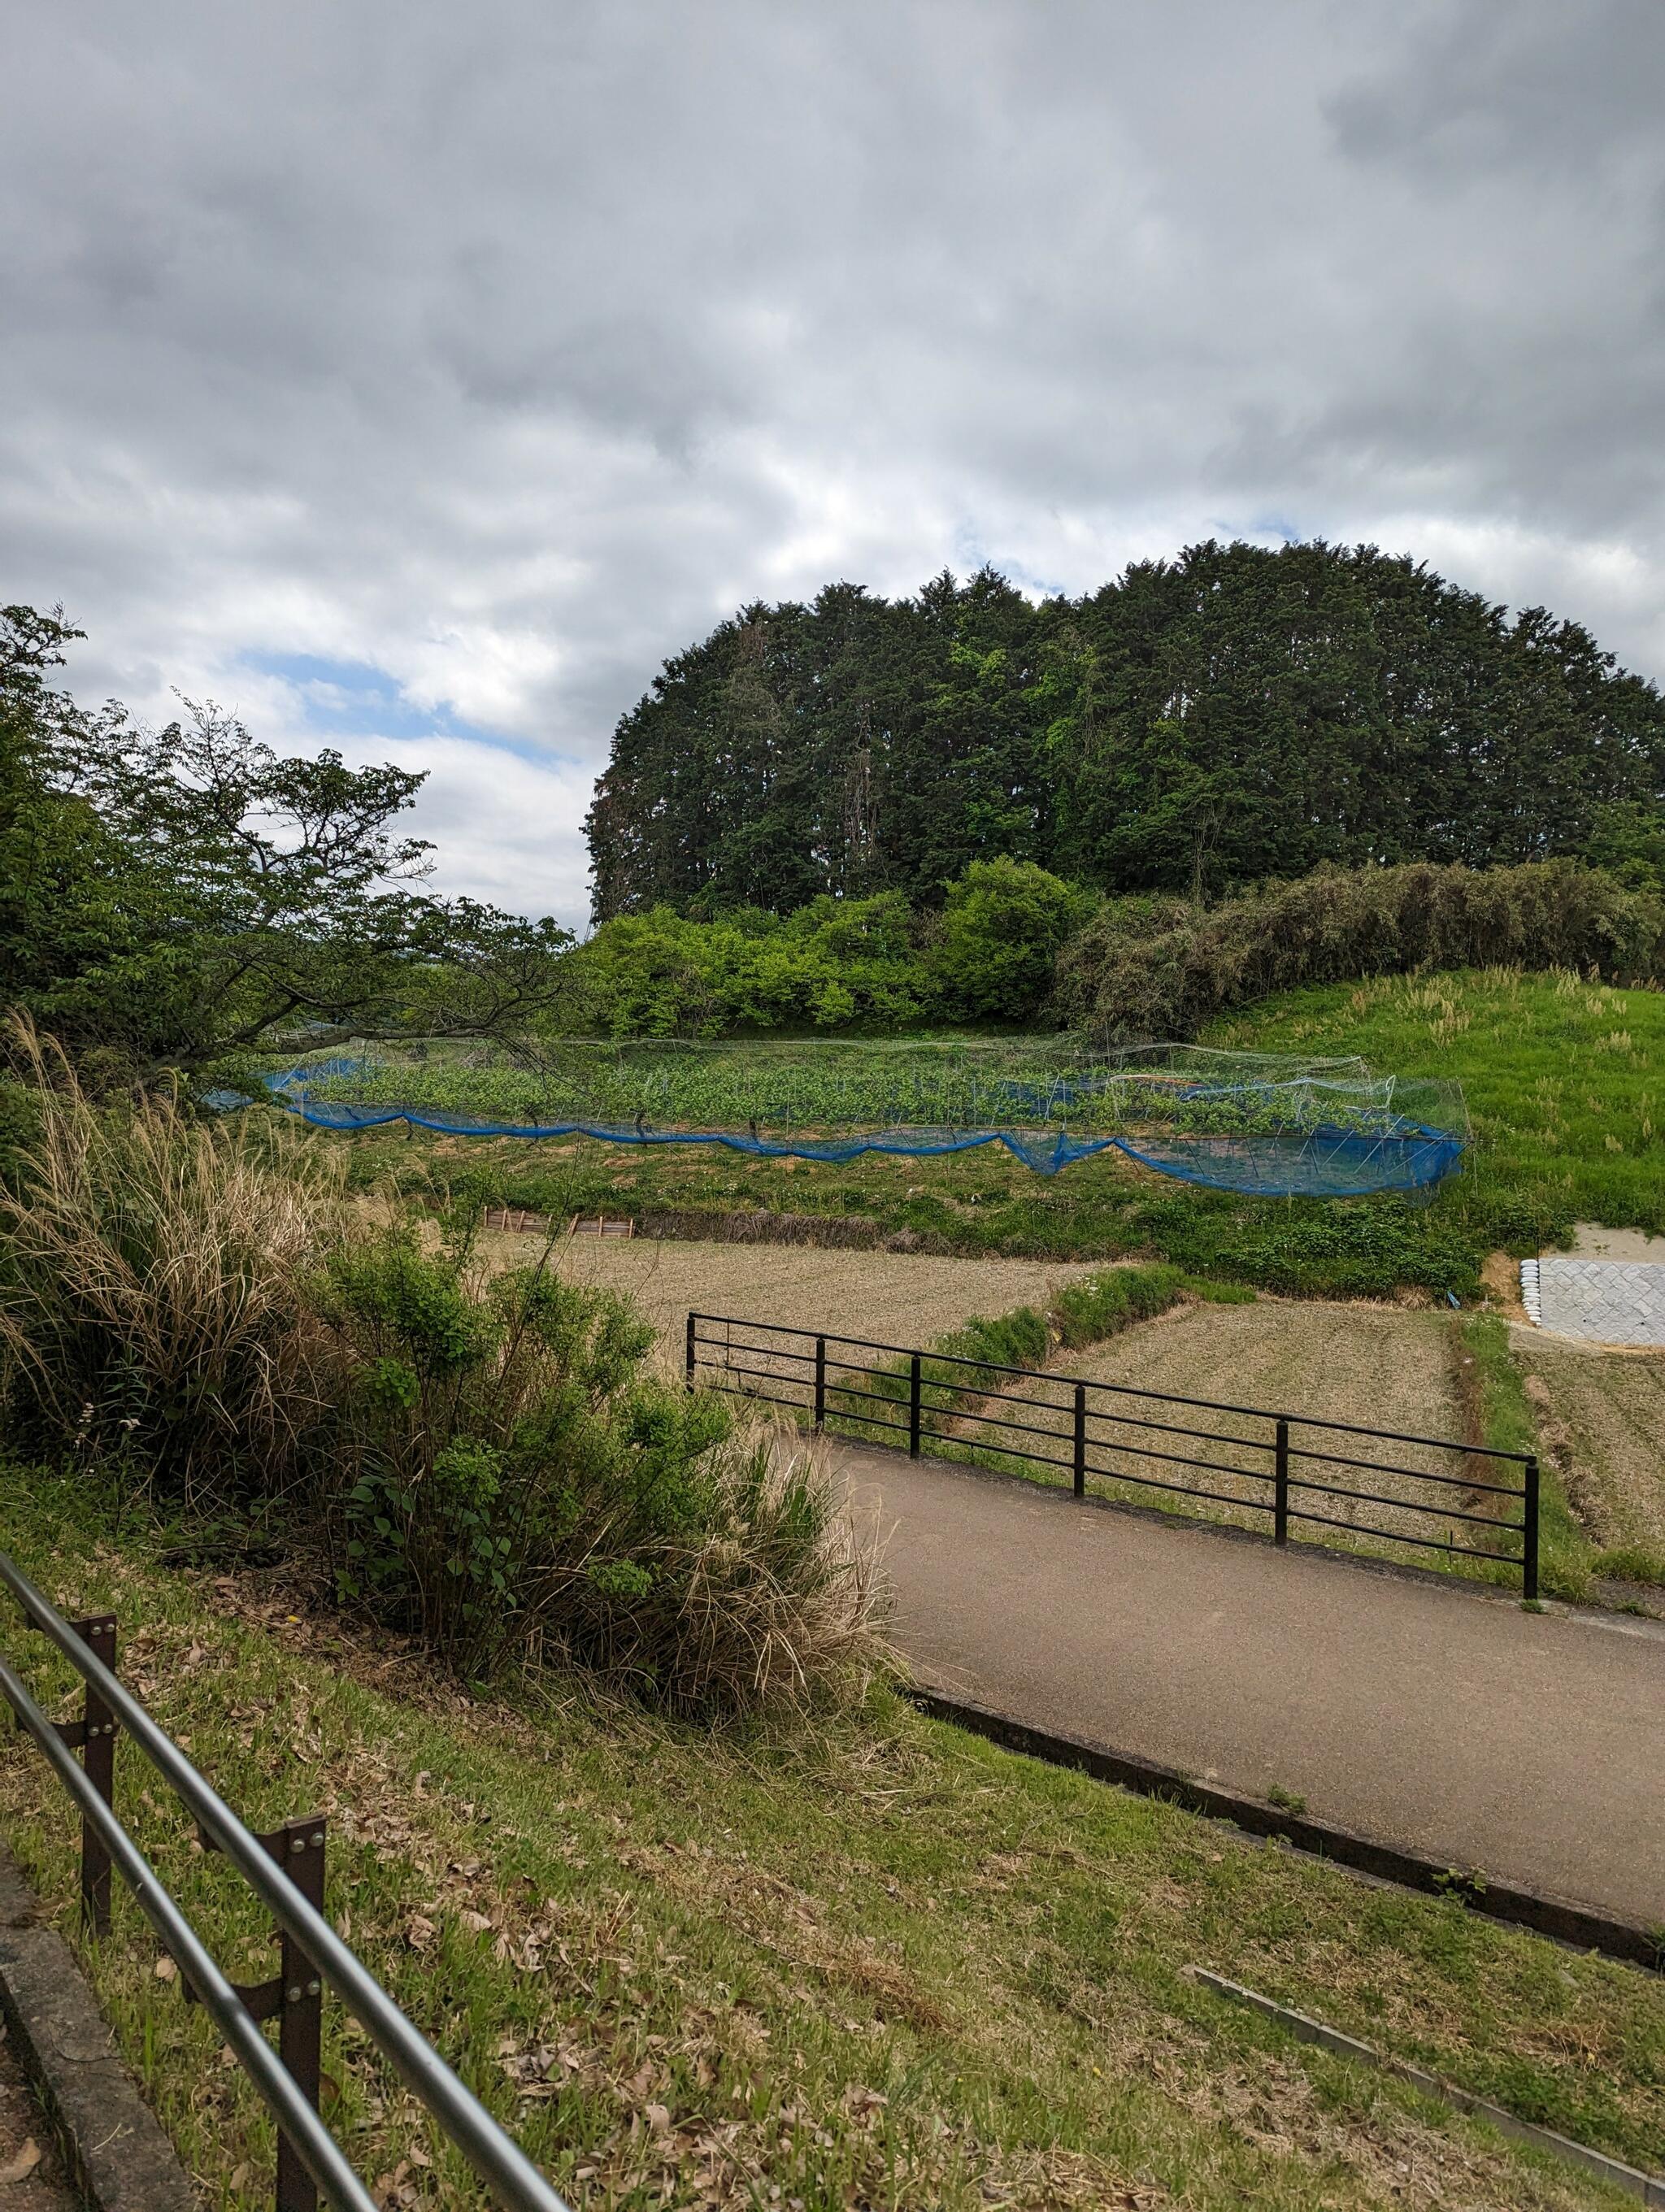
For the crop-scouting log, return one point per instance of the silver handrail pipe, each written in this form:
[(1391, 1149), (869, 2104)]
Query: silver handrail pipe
[(495, 2157)]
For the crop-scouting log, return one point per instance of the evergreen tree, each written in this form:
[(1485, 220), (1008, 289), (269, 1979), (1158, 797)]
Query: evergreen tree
[(1236, 713)]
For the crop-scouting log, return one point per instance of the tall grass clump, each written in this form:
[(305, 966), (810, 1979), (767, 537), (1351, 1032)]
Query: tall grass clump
[(153, 1273), (511, 1483), (1153, 968)]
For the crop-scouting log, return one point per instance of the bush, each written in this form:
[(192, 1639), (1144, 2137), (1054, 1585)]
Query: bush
[(153, 1284), (1102, 1305), (1002, 927), (1146, 973), (515, 1484)]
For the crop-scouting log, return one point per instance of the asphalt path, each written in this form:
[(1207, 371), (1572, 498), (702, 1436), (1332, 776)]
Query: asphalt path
[(1413, 1709)]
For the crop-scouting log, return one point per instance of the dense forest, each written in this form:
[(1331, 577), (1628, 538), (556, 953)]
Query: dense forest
[(1234, 714)]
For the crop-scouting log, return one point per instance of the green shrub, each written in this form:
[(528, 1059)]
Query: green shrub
[(1002, 926), (1367, 1249), (1102, 1305), (1144, 974), (512, 1482)]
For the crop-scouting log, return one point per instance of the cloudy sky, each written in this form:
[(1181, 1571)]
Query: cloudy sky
[(415, 377)]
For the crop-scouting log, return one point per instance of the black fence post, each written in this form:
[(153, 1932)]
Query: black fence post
[(820, 1384), (913, 1408), (1280, 1492), (98, 1760), (1080, 1439), (691, 1318), (1529, 1532)]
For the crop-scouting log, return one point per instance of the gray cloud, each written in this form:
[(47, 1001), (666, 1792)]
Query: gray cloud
[(503, 349)]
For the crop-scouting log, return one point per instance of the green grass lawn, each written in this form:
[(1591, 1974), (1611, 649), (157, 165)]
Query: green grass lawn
[(889, 1966), (1565, 1079)]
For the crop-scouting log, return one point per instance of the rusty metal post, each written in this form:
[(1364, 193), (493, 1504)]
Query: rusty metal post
[(298, 1847), (293, 1996), (97, 1737)]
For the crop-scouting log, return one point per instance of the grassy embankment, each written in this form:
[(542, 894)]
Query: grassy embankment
[(1565, 1082), (889, 1966)]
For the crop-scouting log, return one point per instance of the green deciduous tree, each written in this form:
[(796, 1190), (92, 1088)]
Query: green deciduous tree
[(170, 898), (1003, 925)]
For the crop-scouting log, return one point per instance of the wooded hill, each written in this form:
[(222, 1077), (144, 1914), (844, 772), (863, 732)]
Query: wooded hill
[(1232, 714)]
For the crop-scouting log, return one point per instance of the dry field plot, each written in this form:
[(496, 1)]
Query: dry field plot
[(1378, 1366), (1609, 1407), (894, 1297)]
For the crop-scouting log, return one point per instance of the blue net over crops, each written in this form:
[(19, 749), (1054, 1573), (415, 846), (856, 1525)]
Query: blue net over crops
[(1265, 1125)]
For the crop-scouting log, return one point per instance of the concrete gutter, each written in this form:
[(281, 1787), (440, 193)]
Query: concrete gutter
[(1575, 1925), (1646, 2187), (113, 2142)]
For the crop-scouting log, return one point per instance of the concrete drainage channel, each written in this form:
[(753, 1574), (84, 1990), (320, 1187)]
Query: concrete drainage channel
[(1648, 2188)]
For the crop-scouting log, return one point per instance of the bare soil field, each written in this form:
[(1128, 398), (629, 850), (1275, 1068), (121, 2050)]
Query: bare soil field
[(1605, 1424), (1378, 1366), (894, 1297)]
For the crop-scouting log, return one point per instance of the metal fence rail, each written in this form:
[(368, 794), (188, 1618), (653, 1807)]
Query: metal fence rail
[(1287, 1467), (285, 1870)]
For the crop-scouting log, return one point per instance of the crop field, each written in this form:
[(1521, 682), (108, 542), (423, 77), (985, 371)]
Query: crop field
[(823, 1088), (1564, 1083)]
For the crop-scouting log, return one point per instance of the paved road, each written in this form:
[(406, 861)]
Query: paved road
[(1528, 1745)]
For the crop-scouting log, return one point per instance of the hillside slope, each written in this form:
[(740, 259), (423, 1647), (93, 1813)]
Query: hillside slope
[(892, 1968), (1564, 1078)]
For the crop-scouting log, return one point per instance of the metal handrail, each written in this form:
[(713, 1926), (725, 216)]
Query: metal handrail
[(495, 2157), (913, 1386), (1117, 1389)]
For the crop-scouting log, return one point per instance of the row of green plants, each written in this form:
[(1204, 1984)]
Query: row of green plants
[(961, 1366), (194, 1315), (923, 1085)]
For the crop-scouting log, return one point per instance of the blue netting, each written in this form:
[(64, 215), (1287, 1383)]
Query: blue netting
[(1262, 1126)]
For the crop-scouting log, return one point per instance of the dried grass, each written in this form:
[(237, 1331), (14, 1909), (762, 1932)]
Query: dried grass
[(778, 1596), (153, 1272)]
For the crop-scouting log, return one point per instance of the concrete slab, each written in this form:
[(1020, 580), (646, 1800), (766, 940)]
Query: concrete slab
[(1602, 1301)]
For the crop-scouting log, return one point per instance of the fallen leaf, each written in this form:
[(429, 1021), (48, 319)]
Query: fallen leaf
[(20, 2168), (166, 1970)]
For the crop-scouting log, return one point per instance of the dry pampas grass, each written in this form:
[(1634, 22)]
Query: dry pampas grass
[(153, 1271)]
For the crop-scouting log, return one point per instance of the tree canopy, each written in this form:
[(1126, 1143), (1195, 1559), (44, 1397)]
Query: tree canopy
[(169, 898), (1231, 715)]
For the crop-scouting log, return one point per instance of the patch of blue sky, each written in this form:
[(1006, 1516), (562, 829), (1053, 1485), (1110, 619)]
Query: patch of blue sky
[(356, 699), (1278, 526)]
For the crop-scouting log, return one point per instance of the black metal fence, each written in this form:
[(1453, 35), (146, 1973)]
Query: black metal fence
[(1286, 1471), (285, 1870)]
